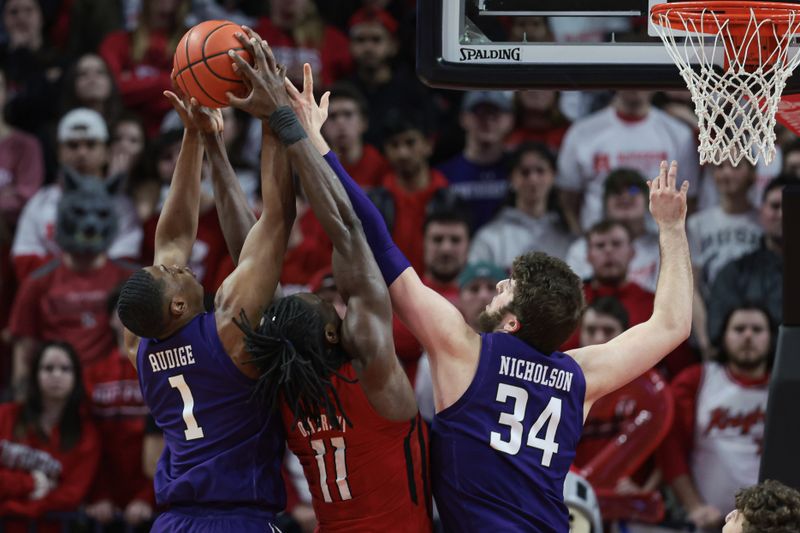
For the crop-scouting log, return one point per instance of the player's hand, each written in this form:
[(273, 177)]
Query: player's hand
[(101, 511), (705, 516), (42, 485), (310, 114), (265, 80), (667, 203), (194, 116), (138, 512)]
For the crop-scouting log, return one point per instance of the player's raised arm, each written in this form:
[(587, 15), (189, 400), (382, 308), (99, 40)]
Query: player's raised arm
[(177, 225), (235, 216), (367, 327), (613, 364), (433, 320), (249, 289)]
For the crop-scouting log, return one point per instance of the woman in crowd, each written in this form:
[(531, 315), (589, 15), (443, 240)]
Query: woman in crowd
[(49, 446), (530, 223), (88, 83)]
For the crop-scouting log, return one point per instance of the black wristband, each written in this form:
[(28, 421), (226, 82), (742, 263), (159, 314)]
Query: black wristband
[(283, 123)]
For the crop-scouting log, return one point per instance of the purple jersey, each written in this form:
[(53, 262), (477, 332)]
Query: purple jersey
[(499, 455), (220, 447)]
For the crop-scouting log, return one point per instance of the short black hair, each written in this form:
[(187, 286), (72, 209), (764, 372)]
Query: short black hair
[(348, 91), (548, 300), (622, 179), (397, 121), (611, 306), (530, 148), (288, 347), (781, 180), (141, 304), (447, 209)]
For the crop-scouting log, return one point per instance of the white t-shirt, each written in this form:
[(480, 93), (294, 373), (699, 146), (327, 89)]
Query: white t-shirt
[(716, 238), (728, 431), (643, 269), (36, 228), (603, 142)]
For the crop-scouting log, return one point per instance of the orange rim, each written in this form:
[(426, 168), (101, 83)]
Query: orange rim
[(713, 14)]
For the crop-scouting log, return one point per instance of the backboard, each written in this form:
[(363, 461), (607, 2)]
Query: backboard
[(562, 44)]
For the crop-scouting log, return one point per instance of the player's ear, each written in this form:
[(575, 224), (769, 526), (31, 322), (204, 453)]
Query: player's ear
[(331, 335), (511, 324), (177, 306)]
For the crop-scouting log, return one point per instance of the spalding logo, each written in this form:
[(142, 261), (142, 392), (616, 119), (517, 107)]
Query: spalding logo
[(500, 54)]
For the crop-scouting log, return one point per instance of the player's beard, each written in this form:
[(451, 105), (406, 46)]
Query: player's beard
[(490, 320)]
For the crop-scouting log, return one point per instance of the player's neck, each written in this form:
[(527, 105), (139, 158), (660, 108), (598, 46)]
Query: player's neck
[(84, 263), (178, 323), (735, 203), (483, 153)]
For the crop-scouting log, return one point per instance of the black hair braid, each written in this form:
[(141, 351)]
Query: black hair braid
[(288, 348)]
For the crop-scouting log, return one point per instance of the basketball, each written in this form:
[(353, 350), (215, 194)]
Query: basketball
[(202, 67)]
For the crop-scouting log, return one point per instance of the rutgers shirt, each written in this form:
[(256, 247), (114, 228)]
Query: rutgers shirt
[(605, 141), (371, 476), (718, 432)]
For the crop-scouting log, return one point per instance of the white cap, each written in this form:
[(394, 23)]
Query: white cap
[(80, 124)]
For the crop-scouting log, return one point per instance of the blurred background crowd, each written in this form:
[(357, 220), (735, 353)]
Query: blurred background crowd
[(466, 181)]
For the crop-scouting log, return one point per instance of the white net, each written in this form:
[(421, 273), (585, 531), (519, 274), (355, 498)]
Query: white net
[(735, 104)]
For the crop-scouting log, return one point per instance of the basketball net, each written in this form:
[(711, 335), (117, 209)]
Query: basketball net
[(736, 104)]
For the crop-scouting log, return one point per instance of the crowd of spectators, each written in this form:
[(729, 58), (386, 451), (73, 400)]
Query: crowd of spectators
[(466, 181)]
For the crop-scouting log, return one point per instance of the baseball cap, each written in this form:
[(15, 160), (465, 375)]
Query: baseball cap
[(80, 124), (481, 270), (624, 179), (502, 100), (381, 16)]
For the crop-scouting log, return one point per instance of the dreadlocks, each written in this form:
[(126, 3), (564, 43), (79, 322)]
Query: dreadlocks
[(289, 349)]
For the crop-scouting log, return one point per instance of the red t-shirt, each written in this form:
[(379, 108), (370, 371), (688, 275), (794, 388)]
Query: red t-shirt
[(370, 169), (410, 214), (551, 137), (119, 414), (371, 476), (75, 470), (208, 252), (329, 61), (56, 303), (141, 83)]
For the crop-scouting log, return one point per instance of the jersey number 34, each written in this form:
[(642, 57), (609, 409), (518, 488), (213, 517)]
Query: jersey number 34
[(550, 416)]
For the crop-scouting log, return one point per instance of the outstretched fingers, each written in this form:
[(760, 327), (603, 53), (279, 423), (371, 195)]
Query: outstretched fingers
[(672, 175), (308, 81), (243, 67), (324, 102)]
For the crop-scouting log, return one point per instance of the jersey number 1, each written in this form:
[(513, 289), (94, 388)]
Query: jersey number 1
[(192, 431), (551, 415), (341, 467)]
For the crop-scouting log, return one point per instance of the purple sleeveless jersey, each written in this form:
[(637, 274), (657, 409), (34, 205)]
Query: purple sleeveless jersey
[(499, 455), (221, 449)]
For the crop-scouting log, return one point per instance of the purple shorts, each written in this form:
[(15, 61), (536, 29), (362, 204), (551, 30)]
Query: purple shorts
[(215, 520)]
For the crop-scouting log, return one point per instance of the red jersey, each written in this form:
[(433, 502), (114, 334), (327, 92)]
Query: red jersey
[(56, 303), (119, 414), (371, 476)]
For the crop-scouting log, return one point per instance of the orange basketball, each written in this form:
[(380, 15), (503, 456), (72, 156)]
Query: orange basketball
[(202, 67)]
